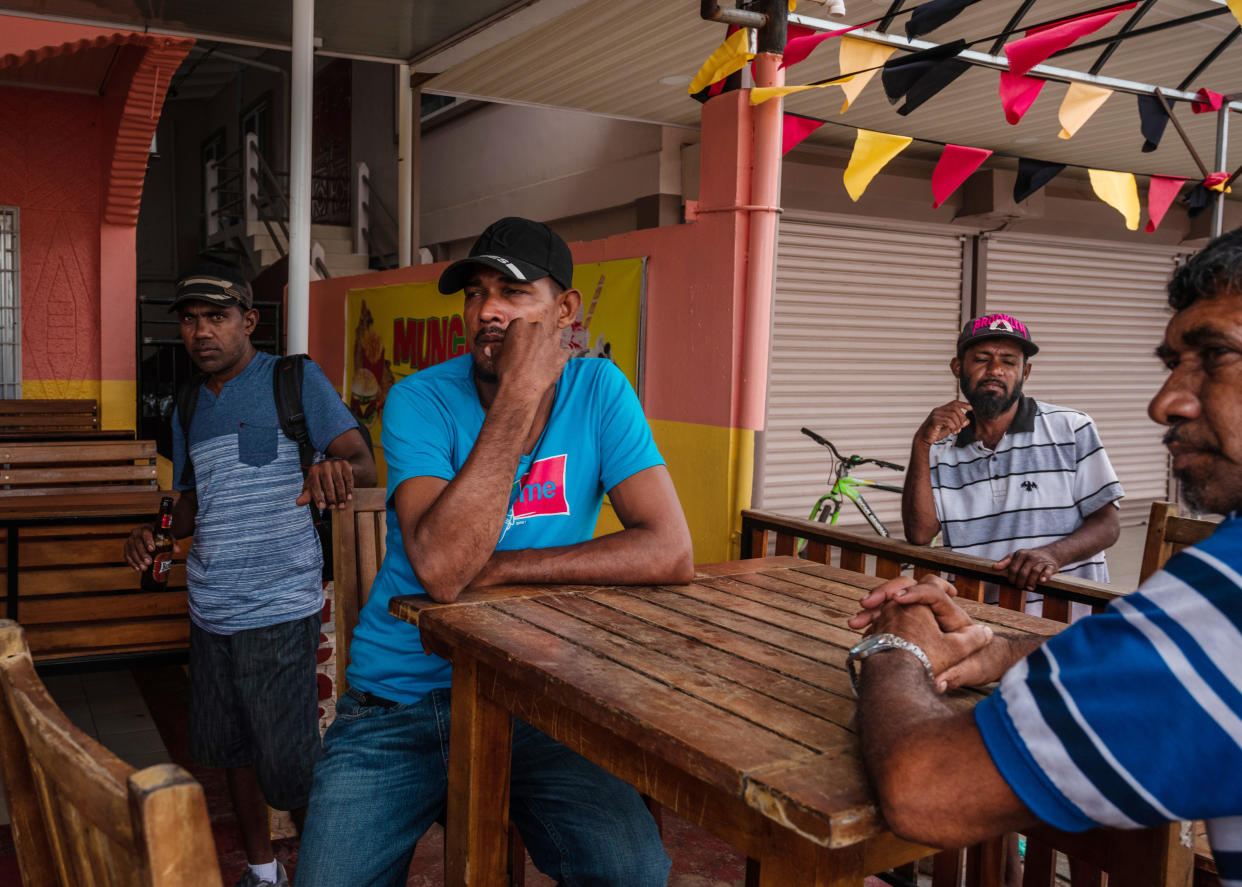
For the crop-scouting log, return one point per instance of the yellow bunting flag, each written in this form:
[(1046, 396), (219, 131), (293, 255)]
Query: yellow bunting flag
[(1118, 190), (793, 4), (866, 58), (1080, 102), (872, 151), (1235, 6), (730, 56), (760, 94)]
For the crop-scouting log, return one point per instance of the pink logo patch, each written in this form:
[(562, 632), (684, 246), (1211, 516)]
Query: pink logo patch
[(542, 490)]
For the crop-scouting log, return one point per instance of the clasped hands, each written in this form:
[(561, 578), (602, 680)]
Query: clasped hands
[(962, 652)]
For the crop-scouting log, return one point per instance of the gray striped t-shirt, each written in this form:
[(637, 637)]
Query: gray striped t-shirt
[(1046, 475), (256, 559)]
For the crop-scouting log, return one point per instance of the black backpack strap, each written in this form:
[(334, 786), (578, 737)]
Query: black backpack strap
[(187, 402), (287, 388)]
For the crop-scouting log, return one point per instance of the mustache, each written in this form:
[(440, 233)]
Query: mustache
[(490, 333), (1176, 435)]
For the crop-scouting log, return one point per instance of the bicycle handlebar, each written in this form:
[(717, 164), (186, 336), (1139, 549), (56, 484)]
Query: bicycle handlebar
[(852, 460)]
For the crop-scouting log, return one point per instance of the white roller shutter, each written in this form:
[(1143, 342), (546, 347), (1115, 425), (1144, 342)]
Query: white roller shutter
[(863, 329), (1096, 311)]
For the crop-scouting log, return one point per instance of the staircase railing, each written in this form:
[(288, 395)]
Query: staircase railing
[(372, 236)]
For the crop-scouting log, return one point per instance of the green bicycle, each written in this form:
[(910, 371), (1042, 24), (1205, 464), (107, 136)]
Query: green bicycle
[(827, 508)]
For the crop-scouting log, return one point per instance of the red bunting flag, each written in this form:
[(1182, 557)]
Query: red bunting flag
[(799, 47), (1017, 94), (795, 129), (955, 166), (1039, 43), (1161, 191), (1207, 101)]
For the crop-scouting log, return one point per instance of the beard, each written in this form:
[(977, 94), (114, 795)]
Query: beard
[(988, 404)]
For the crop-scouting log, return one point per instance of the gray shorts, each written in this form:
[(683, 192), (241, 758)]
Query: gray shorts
[(254, 702)]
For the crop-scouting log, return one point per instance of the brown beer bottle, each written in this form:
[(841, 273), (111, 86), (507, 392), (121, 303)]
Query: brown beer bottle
[(155, 577)]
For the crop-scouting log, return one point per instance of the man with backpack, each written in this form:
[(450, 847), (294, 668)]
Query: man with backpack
[(244, 447)]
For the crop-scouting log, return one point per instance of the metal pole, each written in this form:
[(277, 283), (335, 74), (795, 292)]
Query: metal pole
[(1222, 158), (405, 166), (300, 110)]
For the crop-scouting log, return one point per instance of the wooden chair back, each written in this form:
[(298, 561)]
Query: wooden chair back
[(81, 815), (1167, 534), (358, 548)]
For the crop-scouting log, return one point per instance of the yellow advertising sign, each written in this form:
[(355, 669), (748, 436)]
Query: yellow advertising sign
[(397, 330)]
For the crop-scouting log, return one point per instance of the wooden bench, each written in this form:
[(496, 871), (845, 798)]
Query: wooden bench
[(70, 585), (30, 468), (48, 416), (81, 815)]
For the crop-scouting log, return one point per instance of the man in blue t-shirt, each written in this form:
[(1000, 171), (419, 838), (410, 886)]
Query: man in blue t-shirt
[(254, 569), (1130, 718), (498, 462)]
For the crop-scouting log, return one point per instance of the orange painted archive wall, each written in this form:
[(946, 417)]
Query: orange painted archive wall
[(74, 165), (693, 393)]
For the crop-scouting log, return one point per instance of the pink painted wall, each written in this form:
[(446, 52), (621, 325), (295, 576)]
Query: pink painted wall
[(49, 151)]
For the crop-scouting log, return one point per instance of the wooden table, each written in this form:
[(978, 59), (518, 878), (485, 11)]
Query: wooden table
[(726, 700), (133, 505)]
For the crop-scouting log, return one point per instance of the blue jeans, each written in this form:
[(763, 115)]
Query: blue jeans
[(382, 780)]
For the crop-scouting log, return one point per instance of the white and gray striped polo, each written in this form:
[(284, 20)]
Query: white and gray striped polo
[(1047, 474)]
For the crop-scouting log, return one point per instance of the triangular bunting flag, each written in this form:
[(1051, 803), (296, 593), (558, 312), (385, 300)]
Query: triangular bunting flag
[(1033, 175), (1161, 191), (1080, 102), (795, 129), (1040, 43), (760, 94), (1235, 6), (1118, 190), (904, 71), (955, 166), (800, 46), (929, 16), (1017, 94), (730, 56), (863, 57), (1207, 101), (933, 82), (1198, 199), (1152, 121), (872, 151), (1216, 182)]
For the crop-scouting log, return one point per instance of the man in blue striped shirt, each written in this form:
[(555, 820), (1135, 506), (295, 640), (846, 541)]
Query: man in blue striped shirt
[(1130, 718)]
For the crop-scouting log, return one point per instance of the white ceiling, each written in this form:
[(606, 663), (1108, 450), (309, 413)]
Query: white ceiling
[(609, 57)]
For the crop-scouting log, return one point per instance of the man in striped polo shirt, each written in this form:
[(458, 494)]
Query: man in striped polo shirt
[(1130, 718), (1006, 477)]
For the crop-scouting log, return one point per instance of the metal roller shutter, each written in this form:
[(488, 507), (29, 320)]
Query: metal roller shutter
[(864, 322), (1096, 312)]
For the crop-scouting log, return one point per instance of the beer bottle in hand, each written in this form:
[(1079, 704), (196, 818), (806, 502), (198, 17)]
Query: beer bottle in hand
[(155, 577)]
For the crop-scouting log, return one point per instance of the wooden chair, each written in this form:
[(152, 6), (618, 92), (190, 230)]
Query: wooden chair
[(81, 815), (76, 467), (1167, 534), (48, 416), (358, 548)]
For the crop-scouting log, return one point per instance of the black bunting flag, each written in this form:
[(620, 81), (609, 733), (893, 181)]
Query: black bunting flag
[(1033, 175), (1198, 199), (930, 16), (1153, 118), (900, 74), (932, 82)]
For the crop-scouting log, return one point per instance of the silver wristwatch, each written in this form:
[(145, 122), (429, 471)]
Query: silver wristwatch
[(878, 643)]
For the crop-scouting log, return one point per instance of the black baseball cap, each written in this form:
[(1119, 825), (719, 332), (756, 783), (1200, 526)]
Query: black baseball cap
[(518, 248), (215, 283), (996, 326)]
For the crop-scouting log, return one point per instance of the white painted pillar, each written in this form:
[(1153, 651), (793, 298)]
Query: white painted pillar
[(405, 167), (297, 330)]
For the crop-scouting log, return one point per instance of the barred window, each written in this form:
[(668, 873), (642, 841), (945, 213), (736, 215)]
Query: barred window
[(10, 305)]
